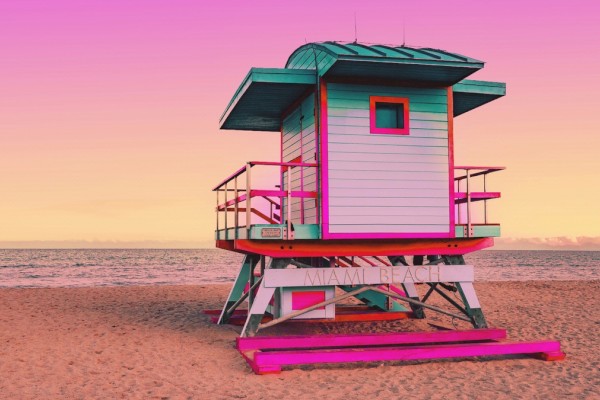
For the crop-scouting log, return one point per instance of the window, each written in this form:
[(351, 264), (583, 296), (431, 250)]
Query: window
[(389, 115)]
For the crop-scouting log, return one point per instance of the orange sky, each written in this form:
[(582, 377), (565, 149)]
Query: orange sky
[(109, 111)]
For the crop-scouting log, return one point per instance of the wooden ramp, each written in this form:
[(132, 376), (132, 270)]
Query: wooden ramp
[(267, 355)]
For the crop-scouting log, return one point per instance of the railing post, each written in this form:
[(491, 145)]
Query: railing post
[(235, 208), (225, 210), (248, 200), (468, 204), (458, 205), (217, 212), (302, 198), (289, 203), (484, 201)]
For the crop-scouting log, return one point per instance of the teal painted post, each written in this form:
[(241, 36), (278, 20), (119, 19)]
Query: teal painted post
[(409, 288), (261, 300), (238, 287), (468, 296)]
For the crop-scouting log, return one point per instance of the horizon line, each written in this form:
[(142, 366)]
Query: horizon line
[(580, 243)]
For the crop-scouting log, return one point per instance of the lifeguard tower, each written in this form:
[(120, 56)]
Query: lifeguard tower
[(366, 201)]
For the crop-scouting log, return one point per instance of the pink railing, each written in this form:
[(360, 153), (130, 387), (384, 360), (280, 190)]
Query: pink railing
[(468, 195), (240, 183)]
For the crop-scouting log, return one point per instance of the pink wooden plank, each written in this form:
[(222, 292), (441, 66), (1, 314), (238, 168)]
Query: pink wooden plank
[(280, 193), (469, 167), (461, 197), (374, 339), (280, 358), (284, 164), (230, 177), (232, 201)]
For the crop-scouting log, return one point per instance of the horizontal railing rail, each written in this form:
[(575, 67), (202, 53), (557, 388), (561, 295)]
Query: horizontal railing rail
[(468, 196), (242, 196), (482, 171), (267, 163)]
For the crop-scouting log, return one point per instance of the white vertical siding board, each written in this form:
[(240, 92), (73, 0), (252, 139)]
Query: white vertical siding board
[(299, 136)]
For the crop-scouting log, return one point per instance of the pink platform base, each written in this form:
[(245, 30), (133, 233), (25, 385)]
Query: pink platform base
[(267, 355)]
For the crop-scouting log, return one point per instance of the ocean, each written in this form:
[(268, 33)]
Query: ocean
[(120, 267)]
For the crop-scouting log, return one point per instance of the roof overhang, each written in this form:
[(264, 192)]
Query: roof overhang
[(435, 73), (264, 95), (470, 94)]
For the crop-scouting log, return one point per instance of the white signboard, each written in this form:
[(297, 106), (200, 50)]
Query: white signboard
[(367, 275)]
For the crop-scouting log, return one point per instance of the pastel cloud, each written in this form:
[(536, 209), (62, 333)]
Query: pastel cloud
[(549, 243)]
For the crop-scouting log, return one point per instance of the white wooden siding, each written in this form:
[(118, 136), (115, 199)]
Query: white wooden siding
[(299, 140), (382, 183)]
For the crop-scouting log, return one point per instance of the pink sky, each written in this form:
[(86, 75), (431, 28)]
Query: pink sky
[(109, 109)]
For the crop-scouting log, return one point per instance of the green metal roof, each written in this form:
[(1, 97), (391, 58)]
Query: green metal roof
[(398, 63), (266, 93), (469, 94)]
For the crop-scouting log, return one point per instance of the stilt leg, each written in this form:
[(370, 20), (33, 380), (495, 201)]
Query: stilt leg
[(261, 300), (251, 283), (257, 312), (238, 287), (468, 295), (409, 288)]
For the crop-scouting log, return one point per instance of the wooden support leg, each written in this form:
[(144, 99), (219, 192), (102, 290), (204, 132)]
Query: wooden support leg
[(238, 287), (251, 283), (468, 295), (261, 300), (409, 288), (257, 312)]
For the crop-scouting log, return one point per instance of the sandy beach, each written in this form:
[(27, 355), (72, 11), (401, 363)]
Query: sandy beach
[(155, 342)]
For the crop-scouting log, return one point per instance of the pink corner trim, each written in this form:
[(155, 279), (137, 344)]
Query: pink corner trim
[(280, 358), (324, 163), (452, 207), (366, 339)]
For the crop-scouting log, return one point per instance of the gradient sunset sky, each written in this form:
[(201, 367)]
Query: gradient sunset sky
[(109, 109)]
